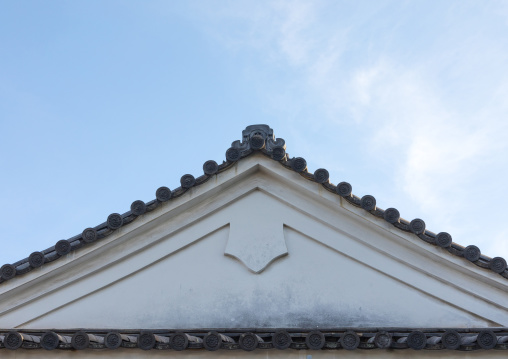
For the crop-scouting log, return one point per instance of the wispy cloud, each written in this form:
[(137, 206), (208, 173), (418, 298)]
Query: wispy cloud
[(296, 18), (430, 104)]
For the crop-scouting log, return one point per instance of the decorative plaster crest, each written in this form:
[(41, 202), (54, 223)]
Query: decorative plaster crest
[(254, 245)]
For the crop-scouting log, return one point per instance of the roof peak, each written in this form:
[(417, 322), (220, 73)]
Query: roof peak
[(255, 138)]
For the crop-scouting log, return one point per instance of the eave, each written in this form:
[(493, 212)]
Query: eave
[(256, 139)]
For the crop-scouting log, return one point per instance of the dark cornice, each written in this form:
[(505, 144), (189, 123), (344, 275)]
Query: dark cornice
[(255, 138), (257, 339)]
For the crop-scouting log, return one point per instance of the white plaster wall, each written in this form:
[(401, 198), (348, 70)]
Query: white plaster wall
[(326, 264), (313, 286)]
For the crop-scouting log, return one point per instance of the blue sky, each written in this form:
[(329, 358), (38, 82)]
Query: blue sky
[(102, 102)]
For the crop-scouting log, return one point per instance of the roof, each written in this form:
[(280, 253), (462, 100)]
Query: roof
[(255, 138), (252, 339)]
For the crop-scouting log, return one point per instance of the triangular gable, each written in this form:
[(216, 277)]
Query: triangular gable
[(253, 244)]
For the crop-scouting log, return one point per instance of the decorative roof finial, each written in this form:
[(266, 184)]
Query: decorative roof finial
[(257, 137)]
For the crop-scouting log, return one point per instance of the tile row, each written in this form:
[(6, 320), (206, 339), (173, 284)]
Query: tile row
[(347, 339), (256, 138)]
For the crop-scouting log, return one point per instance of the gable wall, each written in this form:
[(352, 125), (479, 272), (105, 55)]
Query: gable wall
[(202, 261)]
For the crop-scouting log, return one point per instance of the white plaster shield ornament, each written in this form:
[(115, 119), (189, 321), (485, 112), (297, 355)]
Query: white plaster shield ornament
[(256, 235)]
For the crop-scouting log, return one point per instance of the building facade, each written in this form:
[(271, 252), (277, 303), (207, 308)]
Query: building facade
[(256, 258)]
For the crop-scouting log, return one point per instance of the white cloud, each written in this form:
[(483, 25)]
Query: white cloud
[(296, 19), (442, 153), (434, 119)]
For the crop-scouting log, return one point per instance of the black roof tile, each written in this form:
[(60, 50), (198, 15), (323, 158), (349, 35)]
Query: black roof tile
[(255, 138), (462, 339)]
